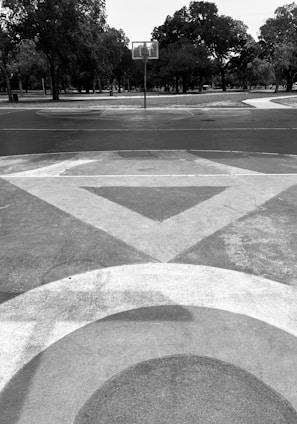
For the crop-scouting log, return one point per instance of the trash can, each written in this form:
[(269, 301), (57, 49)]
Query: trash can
[(15, 97), (111, 93)]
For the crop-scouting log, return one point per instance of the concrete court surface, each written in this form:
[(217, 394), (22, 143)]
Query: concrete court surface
[(148, 285)]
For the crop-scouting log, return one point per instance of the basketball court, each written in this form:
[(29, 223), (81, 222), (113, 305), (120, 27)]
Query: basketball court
[(148, 266)]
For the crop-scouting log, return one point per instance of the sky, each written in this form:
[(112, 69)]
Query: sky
[(139, 17)]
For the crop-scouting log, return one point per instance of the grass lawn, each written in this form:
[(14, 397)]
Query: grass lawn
[(205, 99)]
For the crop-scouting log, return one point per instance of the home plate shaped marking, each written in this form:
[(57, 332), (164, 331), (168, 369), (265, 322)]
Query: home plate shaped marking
[(157, 203), (161, 240)]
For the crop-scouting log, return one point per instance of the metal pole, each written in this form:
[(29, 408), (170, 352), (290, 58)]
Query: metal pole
[(144, 92)]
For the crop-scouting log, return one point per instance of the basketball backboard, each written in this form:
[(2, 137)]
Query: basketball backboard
[(145, 49)]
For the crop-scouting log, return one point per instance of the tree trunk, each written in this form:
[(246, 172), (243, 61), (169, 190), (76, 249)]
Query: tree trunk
[(26, 83), (20, 86), (99, 84), (43, 86), (64, 87), (185, 85), (119, 77), (55, 81), (224, 88), (176, 84), (289, 85), (8, 86), (276, 85)]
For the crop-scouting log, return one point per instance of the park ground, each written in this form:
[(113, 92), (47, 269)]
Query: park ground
[(209, 98), (148, 260)]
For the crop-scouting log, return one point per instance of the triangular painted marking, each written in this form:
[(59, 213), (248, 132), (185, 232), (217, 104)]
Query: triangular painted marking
[(161, 240), (157, 203)]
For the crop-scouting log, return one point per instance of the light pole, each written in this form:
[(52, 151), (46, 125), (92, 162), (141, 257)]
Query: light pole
[(145, 54)]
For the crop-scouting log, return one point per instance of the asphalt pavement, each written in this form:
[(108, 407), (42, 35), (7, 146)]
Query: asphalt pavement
[(75, 130), (148, 266)]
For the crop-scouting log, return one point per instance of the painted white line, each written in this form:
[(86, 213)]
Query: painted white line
[(54, 169), (113, 165), (12, 111), (221, 167), (124, 108), (71, 109), (245, 152), (45, 315), (9, 112), (103, 112), (145, 129), (251, 174)]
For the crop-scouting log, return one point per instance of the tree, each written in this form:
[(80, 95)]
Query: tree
[(250, 67), (183, 53), (30, 64), (179, 61), (123, 70), (61, 29), (8, 47), (279, 39), (227, 39), (218, 38), (174, 28), (114, 53)]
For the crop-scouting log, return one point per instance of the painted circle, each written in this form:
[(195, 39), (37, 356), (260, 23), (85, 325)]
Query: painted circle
[(185, 389), (49, 382)]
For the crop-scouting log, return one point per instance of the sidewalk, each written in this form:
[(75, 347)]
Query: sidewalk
[(267, 103)]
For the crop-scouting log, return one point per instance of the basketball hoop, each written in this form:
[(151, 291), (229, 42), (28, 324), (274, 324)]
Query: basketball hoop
[(140, 49), (145, 50), (145, 53)]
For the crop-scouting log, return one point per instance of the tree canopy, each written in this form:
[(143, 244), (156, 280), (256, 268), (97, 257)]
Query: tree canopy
[(69, 43), (64, 30), (278, 37), (213, 38), (7, 51)]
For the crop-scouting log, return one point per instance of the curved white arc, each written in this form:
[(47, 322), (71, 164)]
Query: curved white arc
[(53, 170), (33, 321)]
